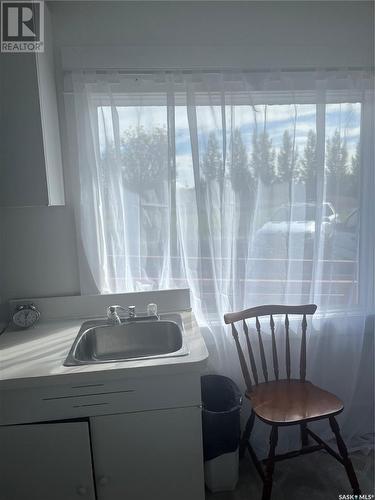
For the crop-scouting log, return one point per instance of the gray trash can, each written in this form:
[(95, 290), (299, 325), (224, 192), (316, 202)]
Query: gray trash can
[(221, 400)]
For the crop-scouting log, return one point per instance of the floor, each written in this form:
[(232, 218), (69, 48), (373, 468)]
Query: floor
[(310, 477)]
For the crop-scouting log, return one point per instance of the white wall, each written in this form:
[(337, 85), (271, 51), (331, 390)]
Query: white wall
[(39, 250), (2, 263), (245, 34)]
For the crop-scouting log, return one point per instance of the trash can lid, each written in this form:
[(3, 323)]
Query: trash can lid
[(220, 393)]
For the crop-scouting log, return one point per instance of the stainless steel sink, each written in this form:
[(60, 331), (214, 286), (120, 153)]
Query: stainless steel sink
[(99, 342)]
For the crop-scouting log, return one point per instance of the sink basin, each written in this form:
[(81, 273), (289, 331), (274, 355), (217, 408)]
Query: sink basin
[(99, 342)]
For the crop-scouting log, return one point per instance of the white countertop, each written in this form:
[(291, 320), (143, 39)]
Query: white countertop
[(36, 356)]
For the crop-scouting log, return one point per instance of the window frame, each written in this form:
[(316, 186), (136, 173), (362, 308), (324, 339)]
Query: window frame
[(318, 98)]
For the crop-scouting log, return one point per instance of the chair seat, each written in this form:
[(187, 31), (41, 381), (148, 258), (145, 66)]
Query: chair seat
[(292, 401)]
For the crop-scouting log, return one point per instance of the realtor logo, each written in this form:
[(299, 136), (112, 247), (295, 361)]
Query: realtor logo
[(22, 26)]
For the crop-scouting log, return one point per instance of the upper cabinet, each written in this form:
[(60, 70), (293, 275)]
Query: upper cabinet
[(30, 149)]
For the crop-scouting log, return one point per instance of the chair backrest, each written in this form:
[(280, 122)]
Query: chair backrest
[(271, 311)]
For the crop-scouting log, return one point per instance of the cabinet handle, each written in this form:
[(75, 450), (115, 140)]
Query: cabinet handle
[(103, 480), (81, 490)]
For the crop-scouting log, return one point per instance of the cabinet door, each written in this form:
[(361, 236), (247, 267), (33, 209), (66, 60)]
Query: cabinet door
[(22, 165), (30, 150), (149, 455), (46, 462)]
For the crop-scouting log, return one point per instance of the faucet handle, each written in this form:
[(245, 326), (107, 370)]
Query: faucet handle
[(152, 309), (131, 311), (112, 314), (113, 308)]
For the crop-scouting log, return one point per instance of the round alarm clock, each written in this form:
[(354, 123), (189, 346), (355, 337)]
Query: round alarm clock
[(25, 315)]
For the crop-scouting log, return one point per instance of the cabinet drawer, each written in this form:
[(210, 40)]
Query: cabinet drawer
[(99, 398)]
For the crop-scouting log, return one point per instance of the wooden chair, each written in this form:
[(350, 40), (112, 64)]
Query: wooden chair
[(285, 401)]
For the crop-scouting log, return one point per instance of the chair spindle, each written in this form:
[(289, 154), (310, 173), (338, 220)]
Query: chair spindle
[(302, 369), (251, 353), (287, 347), (274, 349), (261, 349), (241, 356)]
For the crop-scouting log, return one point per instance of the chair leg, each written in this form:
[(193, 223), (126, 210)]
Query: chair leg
[(344, 454), (246, 434), (304, 435), (267, 487)]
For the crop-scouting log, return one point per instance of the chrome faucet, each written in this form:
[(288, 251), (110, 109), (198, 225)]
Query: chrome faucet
[(114, 318)]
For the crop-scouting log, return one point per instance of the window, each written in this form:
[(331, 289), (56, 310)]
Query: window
[(245, 197)]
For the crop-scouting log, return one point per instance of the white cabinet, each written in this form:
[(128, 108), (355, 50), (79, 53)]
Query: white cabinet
[(149, 455), (46, 462), (135, 456), (30, 149), (23, 181)]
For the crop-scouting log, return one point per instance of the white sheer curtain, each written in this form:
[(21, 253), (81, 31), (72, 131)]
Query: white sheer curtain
[(248, 189)]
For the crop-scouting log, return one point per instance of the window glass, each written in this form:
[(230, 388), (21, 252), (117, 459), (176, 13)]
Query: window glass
[(236, 187)]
